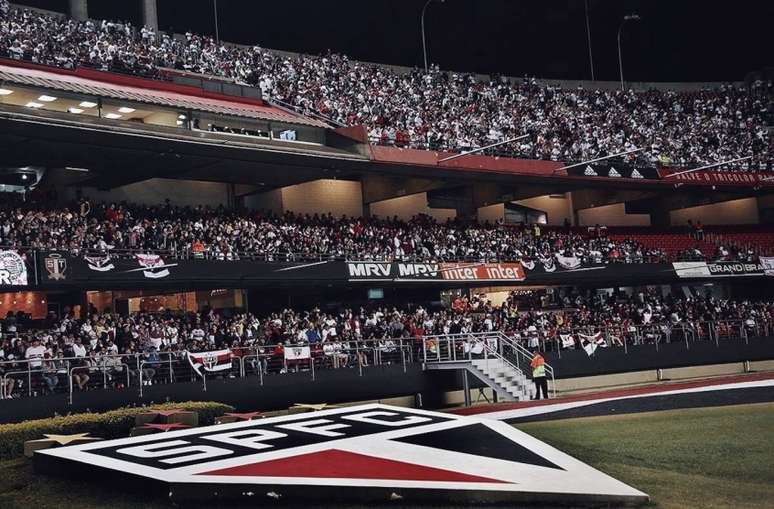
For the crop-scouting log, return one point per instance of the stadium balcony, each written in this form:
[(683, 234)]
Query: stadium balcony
[(673, 139)]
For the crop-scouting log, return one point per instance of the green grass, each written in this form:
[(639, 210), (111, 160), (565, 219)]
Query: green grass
[(701, 458), (698, 458)]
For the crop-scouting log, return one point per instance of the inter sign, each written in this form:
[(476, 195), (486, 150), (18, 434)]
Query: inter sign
[(368, 452)]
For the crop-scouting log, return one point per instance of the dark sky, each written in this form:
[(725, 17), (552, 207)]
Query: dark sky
[(676, 40)]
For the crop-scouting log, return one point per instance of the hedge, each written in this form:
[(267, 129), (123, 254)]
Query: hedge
[(111, 424)]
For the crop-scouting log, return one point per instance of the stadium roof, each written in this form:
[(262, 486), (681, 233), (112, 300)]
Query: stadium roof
[(70, 82)]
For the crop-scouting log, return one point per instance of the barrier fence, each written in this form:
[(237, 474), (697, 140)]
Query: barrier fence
[(496, 345), (72, 375)]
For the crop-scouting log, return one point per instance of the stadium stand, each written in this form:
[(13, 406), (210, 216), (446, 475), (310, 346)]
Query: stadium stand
[(435, 110), (47, 240), (100, 346), (223, 234)]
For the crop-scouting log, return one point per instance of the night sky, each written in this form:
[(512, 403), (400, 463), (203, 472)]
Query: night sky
[(676, 40)]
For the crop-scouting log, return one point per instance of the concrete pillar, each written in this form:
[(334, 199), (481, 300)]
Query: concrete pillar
[(150, 17), (79, 10)]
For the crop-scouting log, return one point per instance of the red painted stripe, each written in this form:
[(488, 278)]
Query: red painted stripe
[(616, 393), (337, 464)]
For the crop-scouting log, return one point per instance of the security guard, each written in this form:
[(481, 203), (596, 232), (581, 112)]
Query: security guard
[(539, 375)]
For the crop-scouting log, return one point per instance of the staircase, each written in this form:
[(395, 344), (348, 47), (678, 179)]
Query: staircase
[(510, 383), (493, 358)]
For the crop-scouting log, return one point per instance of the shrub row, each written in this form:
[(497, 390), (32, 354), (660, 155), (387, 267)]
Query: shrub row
[(111, 424)]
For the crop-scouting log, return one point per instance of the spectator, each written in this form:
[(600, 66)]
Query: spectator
[(428, 110)]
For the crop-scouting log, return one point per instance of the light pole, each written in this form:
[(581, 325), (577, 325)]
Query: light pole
[(628, 17), (215, 11), (424, 41), (588, 36)]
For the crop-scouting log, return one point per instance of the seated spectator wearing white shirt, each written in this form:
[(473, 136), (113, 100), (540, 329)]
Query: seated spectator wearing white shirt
[(81, 364)]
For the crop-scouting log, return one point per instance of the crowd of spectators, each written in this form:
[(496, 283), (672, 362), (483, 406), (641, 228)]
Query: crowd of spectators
[(223, 234), (154, 337), (428, 110)]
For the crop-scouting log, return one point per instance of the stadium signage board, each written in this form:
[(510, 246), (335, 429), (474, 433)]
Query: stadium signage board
[(119, 273), (687, 270), (614, 172), (399, 272), (719, 178), (13, 269), (367, 452)]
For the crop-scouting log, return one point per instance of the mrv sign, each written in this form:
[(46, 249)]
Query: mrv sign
[(369, 452), (412, 272)]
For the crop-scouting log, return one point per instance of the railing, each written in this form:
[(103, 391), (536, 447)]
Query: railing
[(452, 348), (308, 112), (502, 151), (522, 357), (71, 375), (620, 336)]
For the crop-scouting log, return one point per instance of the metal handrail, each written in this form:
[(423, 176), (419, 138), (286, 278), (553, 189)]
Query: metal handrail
[(446, 351)]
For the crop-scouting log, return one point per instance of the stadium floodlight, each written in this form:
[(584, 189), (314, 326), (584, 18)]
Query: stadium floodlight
[(422, 21), (599, 159), (708, 166), (5, 91), (126, 109), (628, 17), (485, 147), (88, 104), (46, 98)]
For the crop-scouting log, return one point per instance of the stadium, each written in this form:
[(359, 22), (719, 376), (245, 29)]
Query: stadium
[(371, 266)]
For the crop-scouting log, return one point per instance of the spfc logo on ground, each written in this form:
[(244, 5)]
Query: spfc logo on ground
[(367, 452)]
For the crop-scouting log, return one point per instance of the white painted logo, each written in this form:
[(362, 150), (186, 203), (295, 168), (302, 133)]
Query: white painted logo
[(371, 452)]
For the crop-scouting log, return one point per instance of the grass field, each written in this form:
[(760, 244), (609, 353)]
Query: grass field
[(698, 458)]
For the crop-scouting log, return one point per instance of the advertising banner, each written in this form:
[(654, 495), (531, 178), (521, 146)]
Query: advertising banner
[(613, 172), (13, 269), (687, 270), (399, 272), (718, 178), (58, 270)]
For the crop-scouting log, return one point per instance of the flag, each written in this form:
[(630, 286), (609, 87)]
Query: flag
[(767, 262), (568, 262), (567, 340), (297, 353), (590, 343), (211, 362)]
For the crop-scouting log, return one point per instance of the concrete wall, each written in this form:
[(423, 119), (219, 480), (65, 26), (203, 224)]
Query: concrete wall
[(338, 197), (155, 191), (611, 215), (406, 207), (556, 206), (269, 201), (744, 211), (491, 213)]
